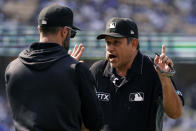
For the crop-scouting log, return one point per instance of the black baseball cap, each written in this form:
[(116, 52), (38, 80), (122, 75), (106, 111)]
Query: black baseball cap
[(120, 27), (56, 15)]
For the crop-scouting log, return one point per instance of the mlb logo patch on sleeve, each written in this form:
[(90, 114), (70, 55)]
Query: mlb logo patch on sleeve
[(138, 96), (102, 96), (179, 92)]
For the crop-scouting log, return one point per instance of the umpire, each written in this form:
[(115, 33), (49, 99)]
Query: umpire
[(133, 93), (48, 89)]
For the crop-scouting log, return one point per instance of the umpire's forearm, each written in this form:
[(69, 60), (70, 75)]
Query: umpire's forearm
[(171, 101)]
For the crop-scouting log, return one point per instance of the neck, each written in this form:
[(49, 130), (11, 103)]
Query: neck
[(122, 70), (49, 39)]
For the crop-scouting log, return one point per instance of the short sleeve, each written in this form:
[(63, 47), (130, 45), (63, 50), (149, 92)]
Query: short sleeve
[(178, 92)]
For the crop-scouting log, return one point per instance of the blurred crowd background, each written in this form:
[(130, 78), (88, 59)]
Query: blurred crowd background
[(152, 16), (171, 16)]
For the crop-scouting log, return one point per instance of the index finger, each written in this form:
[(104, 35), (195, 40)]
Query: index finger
[(163, 49)]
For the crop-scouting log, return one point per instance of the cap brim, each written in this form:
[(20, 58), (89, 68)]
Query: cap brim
[(102, 36), (75, 28)]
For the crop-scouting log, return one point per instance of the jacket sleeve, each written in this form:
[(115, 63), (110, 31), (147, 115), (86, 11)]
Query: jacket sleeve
[(91, 110)]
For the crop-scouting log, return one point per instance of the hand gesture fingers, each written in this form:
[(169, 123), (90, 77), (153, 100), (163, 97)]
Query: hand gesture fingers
[(70, 52), (163, 50), (170, 62), (156, 59), (162, 63), (77, 52)]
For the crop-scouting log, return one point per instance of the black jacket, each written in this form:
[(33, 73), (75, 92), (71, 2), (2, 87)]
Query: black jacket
[(49, 90)]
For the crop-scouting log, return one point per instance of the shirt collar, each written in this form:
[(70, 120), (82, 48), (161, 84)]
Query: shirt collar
[(136, 69)]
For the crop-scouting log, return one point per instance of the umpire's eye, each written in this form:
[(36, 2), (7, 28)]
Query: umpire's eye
[(73, 33)]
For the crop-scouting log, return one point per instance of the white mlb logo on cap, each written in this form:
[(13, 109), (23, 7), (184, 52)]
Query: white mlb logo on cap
[(113, 25), (44, 22)]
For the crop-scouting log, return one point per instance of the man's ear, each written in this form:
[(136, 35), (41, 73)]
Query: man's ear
[(38, 28), (135, 43), (64, 32)]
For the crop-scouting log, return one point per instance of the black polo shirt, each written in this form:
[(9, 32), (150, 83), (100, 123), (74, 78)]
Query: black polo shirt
[(131, 103)]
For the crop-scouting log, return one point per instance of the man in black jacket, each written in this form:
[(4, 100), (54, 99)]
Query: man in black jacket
[(48, 89)]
